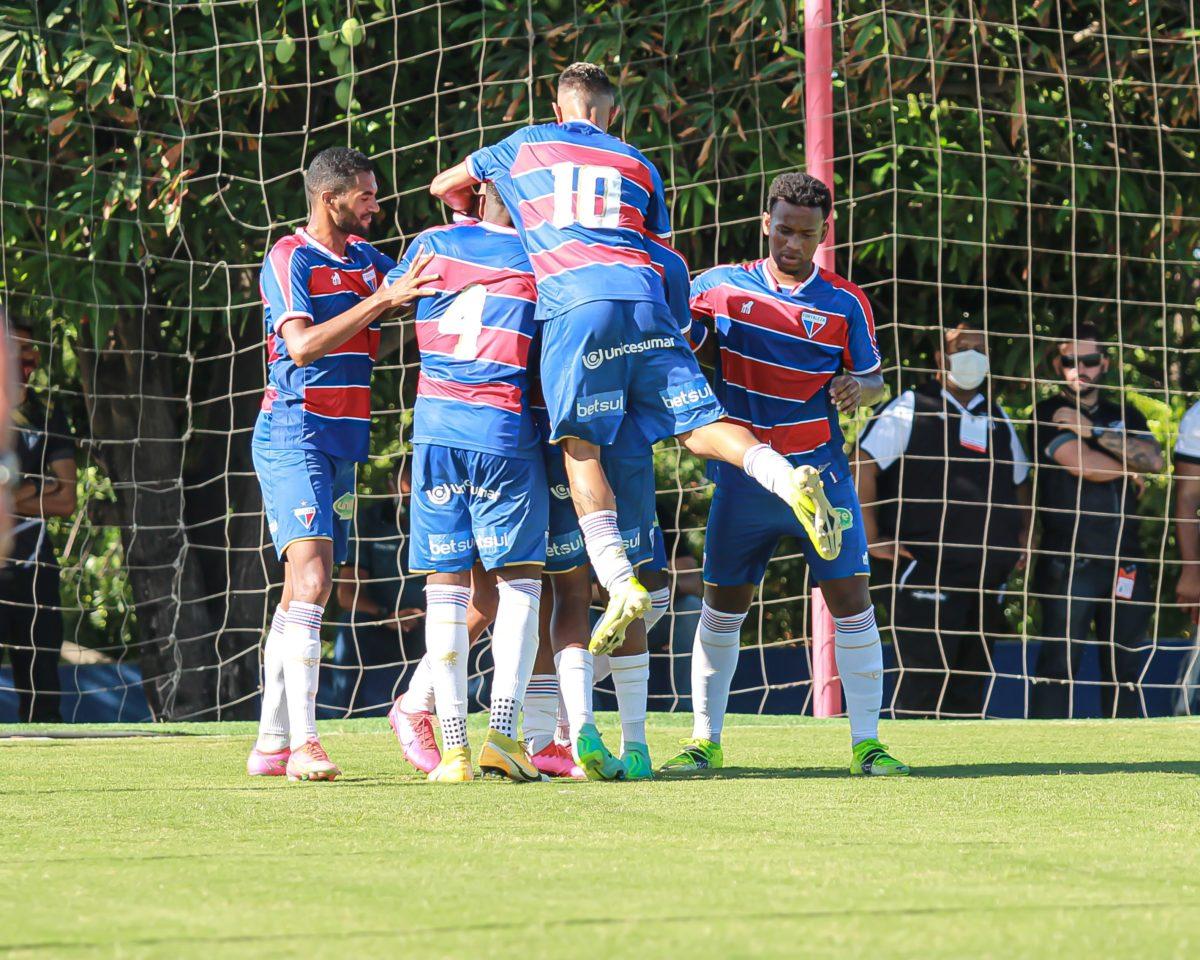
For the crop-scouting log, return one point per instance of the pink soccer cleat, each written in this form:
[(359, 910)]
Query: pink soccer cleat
[(311, 762), (263, 764), (556, 760), (415, 733)]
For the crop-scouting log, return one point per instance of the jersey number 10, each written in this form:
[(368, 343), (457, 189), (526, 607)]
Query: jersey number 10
[(595, 203)]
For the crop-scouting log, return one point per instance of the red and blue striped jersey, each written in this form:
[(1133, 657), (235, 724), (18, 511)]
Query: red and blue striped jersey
[(474, 335), (324, 405), (779, 348), (582, 200)]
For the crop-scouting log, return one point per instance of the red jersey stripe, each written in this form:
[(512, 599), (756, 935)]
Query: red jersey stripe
[(324, 280), (457, 275), (576, 253), (541, 155), (791, 438), (770, 378), (502, 396), (493, 343), (280, 259), (338, 401), (365, 341)]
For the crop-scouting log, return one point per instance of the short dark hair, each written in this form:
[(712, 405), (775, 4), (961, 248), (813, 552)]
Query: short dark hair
[(802, 190), (1084, 330), (335, 169), (588, 77)]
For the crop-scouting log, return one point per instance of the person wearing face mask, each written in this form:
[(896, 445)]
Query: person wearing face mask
[(1092, 451), (944, 481)]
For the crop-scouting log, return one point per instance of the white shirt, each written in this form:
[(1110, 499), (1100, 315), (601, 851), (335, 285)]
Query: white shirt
[(1188, 443), (888, 437)]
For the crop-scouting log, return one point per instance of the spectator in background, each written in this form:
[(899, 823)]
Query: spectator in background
[(677, 630), (1091, 452), (944, 483), (30, 618), (381, 603), (1187, 512)]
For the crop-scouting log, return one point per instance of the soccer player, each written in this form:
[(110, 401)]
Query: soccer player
[(785, 328), (322, 302), (479, 488), (583, 202)]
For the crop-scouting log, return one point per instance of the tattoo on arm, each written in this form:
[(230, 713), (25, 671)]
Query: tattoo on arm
[(1137, 453)]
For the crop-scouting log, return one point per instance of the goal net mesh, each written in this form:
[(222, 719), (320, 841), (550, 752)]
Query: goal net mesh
[(1017, 167)]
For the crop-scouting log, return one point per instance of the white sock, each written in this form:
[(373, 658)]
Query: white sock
[(631, 677), (714, 660), (539, 711), (575, 683), (514, 648), (606, 550), (562, 731), (418, 698), (601, 668), (301, 667), (859, 656), (660, 603), (447, 648), (273, 722), (769, 468)]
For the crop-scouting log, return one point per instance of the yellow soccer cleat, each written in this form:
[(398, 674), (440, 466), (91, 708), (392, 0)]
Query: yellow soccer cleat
[(626, 602), (503, 756), (814, 511), (454, 768)]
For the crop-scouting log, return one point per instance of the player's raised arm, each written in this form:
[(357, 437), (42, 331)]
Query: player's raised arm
[(456, 188)]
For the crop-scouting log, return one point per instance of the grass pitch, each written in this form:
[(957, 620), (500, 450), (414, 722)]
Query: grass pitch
[(1016, 839)]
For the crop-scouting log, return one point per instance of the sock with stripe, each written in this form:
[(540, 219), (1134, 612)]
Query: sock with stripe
[(714, 660), (631, 678), (606, 550), (273, 721), (447, 648), (769, 468), (539, 711), (859, 656), (514, 648), (575, 683), (660, 603), (301, 667), (418, 698)]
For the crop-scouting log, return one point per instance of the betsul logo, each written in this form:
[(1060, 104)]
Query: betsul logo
[(689, 396), (440, 495), (600, 405)]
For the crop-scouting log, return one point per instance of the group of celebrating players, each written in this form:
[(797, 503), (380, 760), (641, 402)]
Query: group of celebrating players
[(560, 337)]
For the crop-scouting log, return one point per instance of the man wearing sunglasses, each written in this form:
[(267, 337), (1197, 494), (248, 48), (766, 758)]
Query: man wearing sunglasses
[(1092, 450)]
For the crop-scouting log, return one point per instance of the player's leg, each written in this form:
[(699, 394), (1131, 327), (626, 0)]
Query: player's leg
[(540, 710)]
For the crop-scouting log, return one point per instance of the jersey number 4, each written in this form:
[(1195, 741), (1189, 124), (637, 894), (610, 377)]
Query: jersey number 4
[(464, 319), (596, 202)]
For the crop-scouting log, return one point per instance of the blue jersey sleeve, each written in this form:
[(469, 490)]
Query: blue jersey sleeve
[(383, 263), (675, 279), (658, 217), (284, 281), (492, 163), (861, 355)]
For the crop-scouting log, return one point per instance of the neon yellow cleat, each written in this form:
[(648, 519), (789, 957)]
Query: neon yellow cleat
[(814, 511), (870, 758), (698, 754), (503, 756), (626, 602), (454, 768)]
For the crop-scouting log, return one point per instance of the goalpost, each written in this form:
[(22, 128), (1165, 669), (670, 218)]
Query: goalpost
[(1018, 167)]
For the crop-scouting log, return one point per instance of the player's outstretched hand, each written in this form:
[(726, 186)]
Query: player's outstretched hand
[(412, 286), (846, 393)]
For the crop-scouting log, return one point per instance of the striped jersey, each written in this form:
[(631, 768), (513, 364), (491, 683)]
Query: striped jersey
[(474, 335), (324, 405), (779, 348), (582, 200)]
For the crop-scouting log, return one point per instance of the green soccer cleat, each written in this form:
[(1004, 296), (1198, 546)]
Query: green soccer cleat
[(697, 755), (594, 757), (814, 511), (869, 758), (626, 602), (636, 760)]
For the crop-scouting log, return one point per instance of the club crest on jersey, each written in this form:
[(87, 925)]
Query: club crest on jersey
[(813, 322), (305, 514), (369, 277), (335, 278)]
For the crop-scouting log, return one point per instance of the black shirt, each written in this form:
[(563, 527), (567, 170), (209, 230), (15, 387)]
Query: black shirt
[(1082, 516), (42, 437)]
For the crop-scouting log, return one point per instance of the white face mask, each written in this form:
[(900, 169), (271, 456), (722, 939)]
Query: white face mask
[(967, 369)]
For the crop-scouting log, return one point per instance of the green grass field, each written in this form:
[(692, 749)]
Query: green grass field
[(1073, 839)]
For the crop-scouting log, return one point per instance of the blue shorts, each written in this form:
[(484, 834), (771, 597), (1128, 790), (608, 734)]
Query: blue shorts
[(746, 523), (469, 506), (607, 360), (307, 495), (632, 480)]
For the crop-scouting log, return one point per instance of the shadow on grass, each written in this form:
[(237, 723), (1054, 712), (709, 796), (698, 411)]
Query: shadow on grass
[(958, 771)]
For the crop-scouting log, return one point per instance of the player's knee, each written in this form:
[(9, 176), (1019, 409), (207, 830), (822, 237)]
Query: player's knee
[(312, 583)]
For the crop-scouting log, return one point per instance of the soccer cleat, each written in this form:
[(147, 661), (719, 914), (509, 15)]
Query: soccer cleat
[(627, 601), (415, 733), (698, 754), (503, 756), (311, 762), (636, 760), (263, 764), (555, 760), (594, 757), (869, 758), (814, 511), (454, 768)]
